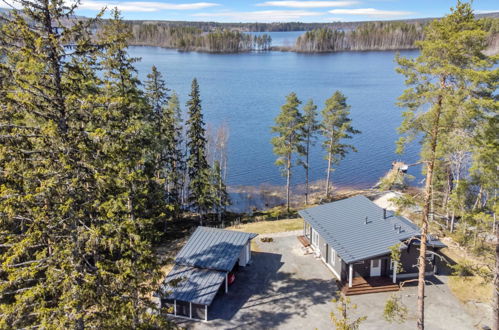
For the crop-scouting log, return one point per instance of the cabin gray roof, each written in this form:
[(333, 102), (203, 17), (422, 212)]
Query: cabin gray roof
[(342, 224), (195, 285), (212, 248)]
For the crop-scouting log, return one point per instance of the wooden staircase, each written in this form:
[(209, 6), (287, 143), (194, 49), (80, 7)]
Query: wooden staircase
[(361, 285)]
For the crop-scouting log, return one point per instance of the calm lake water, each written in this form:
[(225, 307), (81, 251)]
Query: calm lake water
[(247, 90), (287, 39)]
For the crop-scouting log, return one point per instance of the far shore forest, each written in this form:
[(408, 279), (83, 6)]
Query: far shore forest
[(99, 170), (205, 37)]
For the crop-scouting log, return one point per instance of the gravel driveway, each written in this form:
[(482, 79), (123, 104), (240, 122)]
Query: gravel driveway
[(285, 289)]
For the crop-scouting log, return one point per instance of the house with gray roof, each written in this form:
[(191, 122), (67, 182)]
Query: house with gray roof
[(353, 238), (202, 269)]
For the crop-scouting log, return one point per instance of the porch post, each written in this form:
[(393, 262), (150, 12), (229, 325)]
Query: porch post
[(395, 266), (226, 282), (175, 307), (206, 312), (350, 275), (190, 310)]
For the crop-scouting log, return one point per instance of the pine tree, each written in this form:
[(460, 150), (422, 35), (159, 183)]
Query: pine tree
[(289, 139), (445, 83), (200, 197), (335, 127), (310, 130)]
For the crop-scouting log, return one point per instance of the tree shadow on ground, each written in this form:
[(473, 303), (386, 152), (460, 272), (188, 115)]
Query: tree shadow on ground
[(263, 297), (429, 280)]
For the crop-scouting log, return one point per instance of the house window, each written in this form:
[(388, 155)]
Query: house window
[(375, 263)]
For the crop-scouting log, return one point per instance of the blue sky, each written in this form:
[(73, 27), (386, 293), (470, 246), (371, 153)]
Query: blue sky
[(280, 10)]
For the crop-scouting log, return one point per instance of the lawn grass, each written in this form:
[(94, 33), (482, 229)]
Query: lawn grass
[(270, 227)]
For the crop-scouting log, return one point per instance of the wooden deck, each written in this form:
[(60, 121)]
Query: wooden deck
[(304, 241), (361, 285)]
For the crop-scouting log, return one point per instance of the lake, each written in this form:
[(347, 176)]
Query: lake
[(281, 39), (246, 91)]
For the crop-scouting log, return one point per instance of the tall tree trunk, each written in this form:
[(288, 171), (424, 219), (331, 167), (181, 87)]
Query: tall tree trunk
[(328, 174), (426, 211), (306, 170), (288, 181)]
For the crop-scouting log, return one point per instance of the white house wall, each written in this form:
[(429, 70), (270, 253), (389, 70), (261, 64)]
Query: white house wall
[(245, 255)]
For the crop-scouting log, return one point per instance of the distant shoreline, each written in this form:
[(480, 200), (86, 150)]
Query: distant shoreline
[(281, 49)]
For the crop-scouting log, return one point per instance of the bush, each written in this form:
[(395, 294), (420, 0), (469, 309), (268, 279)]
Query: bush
[(462, 269), (395, 310)]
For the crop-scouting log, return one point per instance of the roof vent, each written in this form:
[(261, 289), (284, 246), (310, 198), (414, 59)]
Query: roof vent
[(367, 221), (397, 228), (384, 213)]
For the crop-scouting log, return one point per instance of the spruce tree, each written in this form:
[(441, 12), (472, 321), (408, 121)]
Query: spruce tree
[(310, 130), (129, 203), (47, 175), (200, 197), (445, 88), (289, 139), (166, 121), (156, 90), (335, 127), (175, 162), (75, 188)]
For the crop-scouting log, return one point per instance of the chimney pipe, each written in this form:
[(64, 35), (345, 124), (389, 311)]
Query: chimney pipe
[(384, 213), (366, 220)]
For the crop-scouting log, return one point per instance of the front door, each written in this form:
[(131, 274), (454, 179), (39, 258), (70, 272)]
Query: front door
[(375, 267), (315, 238)]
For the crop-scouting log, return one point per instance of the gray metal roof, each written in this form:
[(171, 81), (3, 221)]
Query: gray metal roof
[(342, 224), (212, 248), (195, 285)]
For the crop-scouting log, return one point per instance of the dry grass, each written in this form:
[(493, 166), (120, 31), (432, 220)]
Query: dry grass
[(270, 227), (467, 288), (470, 288)]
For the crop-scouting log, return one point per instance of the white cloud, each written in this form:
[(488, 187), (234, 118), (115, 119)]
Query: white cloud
[(10, 4), (147, 6), (307, 4), (259, 16), (372, 12), (486, 11)]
